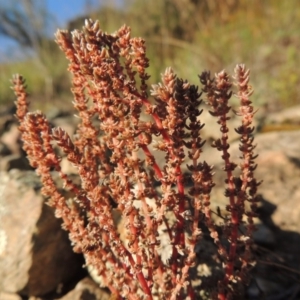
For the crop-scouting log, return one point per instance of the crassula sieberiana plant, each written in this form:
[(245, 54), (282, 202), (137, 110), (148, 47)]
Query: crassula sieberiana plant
[(115, 150)]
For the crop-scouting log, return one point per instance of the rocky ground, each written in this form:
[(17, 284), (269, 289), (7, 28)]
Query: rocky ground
[(36, 259)]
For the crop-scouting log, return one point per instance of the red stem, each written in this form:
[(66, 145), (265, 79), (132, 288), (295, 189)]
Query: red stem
[(234, 215)]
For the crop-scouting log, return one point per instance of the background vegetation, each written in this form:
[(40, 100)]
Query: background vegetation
[(189, 35)]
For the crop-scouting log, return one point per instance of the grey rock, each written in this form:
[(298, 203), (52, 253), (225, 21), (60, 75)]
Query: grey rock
[(14, 161), (87, 289), (35, 253), (9, 296)]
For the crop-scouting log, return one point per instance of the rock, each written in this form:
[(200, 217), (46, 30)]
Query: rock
[(8, 296), (265, 286), (14, 161), (68, 123), (35, 253), (67, 167), (11, 139), (87, 289), (264, 235), (278, 235), (287, 116), (211, 129), (4, 150), (279, 168), (6, 119)]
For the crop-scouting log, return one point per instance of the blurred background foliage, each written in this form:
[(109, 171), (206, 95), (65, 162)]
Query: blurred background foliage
[(189, 35)]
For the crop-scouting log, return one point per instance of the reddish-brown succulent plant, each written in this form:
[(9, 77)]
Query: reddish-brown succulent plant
[(118, 168)]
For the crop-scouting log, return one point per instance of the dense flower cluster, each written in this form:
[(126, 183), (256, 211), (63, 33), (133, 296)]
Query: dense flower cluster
[(115, 152)]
